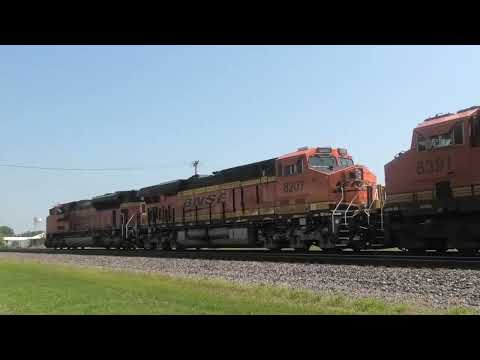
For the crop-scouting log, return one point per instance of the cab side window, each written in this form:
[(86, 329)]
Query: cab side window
[(476, 131), (292, 169), (299, 166), (457, 134), (453, 137), (421, 143)]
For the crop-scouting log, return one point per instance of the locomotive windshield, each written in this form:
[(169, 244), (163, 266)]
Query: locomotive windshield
[(324, 162), (454, 137), (345, 162)]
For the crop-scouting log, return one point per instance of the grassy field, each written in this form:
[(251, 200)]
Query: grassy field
[(31, 288)]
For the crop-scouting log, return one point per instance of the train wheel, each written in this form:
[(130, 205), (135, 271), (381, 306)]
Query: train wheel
[(305, 248), (154, 246), (416, 252), (179, 247), (468, 252)]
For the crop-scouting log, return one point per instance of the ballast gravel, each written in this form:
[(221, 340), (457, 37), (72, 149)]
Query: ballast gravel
[(438, 288)]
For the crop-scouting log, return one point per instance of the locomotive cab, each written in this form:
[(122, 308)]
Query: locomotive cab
[(324, 184), (438, 165), (327, 176)]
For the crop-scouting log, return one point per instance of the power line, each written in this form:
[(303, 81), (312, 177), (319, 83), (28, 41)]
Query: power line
[(181, 164), (66, 169)]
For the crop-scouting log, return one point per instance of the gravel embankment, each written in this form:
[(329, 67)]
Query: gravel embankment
[(432, 287)]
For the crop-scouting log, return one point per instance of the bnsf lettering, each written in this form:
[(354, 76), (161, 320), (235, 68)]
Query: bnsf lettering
[(205, 201), (293, 187), (431, 166)]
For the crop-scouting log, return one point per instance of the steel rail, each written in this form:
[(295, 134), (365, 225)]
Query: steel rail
[(376, 258)]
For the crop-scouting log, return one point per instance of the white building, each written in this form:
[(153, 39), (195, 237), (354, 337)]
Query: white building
[(24, 242)]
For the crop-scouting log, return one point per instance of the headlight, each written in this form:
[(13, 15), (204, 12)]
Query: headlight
[(359, 174), (356, 175)]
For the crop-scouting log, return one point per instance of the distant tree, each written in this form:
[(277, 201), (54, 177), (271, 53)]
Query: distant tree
[(6, 231)]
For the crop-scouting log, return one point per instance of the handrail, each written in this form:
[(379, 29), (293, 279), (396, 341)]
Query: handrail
[(373, 197), (348, 208), (367, 211), (335, 210), (126, 225), (381, 209)]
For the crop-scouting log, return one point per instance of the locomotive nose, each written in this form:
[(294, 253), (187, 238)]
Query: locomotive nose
[(358, 177), (356, 174)]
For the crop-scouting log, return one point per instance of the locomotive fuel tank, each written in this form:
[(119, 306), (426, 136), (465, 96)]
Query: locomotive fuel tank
[(217, 237)]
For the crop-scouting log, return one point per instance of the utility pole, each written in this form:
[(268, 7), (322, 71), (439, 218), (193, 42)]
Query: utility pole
[(195, 166)]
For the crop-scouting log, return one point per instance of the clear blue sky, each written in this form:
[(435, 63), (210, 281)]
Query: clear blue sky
[(160, 107)]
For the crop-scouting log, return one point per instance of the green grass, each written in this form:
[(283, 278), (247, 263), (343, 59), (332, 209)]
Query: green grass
[(32, 288)]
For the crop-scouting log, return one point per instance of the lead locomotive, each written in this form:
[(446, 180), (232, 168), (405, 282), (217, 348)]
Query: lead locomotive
[(314, 196)]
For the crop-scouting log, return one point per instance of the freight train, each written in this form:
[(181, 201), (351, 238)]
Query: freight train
[(312, 196)]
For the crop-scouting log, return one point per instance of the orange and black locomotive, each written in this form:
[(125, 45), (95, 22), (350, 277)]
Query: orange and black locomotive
[(434, 187), (313, 196)]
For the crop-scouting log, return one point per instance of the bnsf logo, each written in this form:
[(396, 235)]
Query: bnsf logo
[(202, 201)]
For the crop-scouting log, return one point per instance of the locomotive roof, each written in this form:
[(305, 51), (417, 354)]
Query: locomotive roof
[(442, 124), (238, 173), (115, 194), (296, 153), (304, 151), (165, 188), (311, 151), (107, 201), (74, 205)]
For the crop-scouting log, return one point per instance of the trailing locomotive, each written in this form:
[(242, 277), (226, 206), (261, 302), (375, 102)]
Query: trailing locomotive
[(434, 187), (313, 196)]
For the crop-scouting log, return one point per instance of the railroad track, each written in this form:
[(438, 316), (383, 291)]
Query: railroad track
[(376, 257)]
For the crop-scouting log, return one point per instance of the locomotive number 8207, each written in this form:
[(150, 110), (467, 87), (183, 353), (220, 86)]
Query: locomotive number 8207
[(293, 187)]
